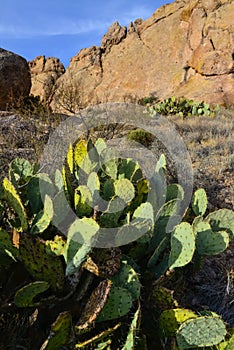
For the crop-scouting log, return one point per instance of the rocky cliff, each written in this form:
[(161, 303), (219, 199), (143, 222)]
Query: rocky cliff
[(185, 49), (44, 73)]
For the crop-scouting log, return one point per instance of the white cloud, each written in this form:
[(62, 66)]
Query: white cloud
[(47, 26), (62, 27)]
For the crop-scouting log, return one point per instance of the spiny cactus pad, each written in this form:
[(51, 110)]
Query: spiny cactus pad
[(174, 191), (94, 305), (84, 206), (6, 245), (14, 201), (124, 189), (25, 295), (222, 219), (59, 333), (201, 332), (128, 278), (182, 245), (20, 171), (34, 195), (128, 169), (118, 304), (170, 320), (56, 246), (41, 265), (44, 217), (209, 242), (131, 338), (79, 242), (199, 202)]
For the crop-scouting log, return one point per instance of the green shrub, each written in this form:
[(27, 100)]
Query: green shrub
[(141, 136)]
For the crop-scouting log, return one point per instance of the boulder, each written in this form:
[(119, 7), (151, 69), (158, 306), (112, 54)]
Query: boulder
[(15, 79), (44, 73)]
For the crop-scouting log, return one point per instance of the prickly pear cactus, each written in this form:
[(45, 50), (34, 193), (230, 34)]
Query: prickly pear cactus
[(124, 189), (81, 238), (131, 338), (182, 245), (201, 332), (41, 265), (170, 320), (94, 305), (56, 246), (209, 242), (118, 304), (7, 248), (33, 191), (14, 201), (60, 332), (20, 171), (43, 219), (199, 202), (129, 279), (222, 220), (25, 295)]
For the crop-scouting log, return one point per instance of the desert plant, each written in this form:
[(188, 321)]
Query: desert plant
[(184, 107), (67, 97), (103, 284), (141, 136)]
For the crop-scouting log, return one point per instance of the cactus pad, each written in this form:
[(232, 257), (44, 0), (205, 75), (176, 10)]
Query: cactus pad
[(6, 245), (94, 305), (222, 220), (170, 320), (128, 279), (201, 332), (199, 202), (182, 245), (124, 189), (56, 246), (59, 333), (41, 265), (131, 338), (14, 201), (20, 171), (209, 242), (25, 295), (44, 217), (119, 303)]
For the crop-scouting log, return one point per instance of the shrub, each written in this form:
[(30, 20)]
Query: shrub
[(141, 136)]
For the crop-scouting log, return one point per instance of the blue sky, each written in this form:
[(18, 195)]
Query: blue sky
[(60, 28)]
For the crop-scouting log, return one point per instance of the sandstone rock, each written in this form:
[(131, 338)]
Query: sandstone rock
[(44, 73), (185, 48), (15, 80), (114, 36)]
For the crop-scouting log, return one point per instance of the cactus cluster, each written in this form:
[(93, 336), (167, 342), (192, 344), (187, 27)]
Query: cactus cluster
[(184, 107), (152, 237)]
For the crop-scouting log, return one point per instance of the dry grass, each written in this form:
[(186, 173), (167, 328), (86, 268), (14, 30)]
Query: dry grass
[(210, 142)]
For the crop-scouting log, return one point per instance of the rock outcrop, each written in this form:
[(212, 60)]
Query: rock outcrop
[(185, 48), (15, 79), (44, 73)]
